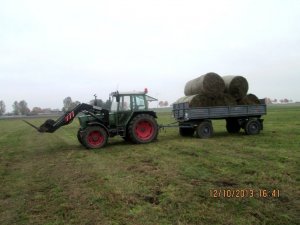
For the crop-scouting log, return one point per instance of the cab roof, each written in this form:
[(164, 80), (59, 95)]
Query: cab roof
[(148, 98)]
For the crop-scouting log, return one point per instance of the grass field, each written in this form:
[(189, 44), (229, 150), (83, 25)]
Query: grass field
[(51, 179)]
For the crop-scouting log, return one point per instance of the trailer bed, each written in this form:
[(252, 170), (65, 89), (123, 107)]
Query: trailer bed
[(182, 112)]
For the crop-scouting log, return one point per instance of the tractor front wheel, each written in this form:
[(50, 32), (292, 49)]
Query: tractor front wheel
[(79, 136), (143, 129), (94, 137)]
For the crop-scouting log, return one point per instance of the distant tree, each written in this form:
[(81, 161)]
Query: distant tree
[(36, 110), (161, 103), (73, 105), (101, 103), (97, 102), (67, 104), (23, 107), (46, 110), (268, 101), (285, 100), (2, 107), (166, 103), (16, 108), (107, 104)]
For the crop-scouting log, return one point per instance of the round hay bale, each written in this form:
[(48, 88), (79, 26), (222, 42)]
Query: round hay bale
[(224, 100), (237, 86), (196, 100), (210, 84), (201, 100), (249, 99), (182, 99)]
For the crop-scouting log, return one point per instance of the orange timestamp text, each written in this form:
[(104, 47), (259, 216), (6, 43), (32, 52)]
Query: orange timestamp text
[(244, 193)]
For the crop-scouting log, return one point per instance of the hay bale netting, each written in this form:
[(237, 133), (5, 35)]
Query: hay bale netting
[(210, 84), (201, 100), (195, 100), (237, 86), (249, 99), (183, 99)]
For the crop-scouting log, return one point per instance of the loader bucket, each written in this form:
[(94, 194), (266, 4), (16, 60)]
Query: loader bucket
[(47, 126)]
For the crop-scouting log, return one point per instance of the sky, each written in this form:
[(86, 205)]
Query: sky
[(53, 49)]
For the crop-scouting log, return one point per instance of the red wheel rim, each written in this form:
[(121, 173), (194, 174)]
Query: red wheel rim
[(144, 130), (95, 138)]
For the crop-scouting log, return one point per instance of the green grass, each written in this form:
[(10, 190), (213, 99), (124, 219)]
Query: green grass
[(51, 179)]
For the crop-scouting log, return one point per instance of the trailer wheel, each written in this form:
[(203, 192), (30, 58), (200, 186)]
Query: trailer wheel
[(204, 129), (94, 137), (233, 126), (143, 129), (252, 127), (186, 132)]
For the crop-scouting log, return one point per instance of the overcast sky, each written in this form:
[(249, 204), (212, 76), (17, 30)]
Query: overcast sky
[(53, 49)]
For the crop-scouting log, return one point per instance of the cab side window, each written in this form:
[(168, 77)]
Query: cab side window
[(125, 103), (140, 102)]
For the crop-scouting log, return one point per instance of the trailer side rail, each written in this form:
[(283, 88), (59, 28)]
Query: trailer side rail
[(182, 111)]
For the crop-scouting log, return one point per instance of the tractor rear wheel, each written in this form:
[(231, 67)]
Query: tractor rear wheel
[(94, 137), (143, 129)]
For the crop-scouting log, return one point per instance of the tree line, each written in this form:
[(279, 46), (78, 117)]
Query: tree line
[(21, 107)]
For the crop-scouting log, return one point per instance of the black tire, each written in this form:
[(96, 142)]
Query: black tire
[(233, 126), (94, 137), (142, 129), (127, 138), (252, 127), (79, 136), (204, 130), (186, 132)]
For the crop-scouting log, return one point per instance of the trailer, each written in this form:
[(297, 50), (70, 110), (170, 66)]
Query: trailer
[(197, 120)]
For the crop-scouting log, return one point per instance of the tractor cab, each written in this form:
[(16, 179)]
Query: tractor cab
[(130, 101), (125, 104)]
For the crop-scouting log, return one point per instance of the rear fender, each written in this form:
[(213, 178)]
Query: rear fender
[(151, 113), (134, 114), (100, 125)]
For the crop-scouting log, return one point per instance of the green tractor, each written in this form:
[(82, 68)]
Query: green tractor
[(129, 117)]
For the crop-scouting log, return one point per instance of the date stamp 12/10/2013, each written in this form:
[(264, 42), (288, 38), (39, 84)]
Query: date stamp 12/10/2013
[(244, 193)]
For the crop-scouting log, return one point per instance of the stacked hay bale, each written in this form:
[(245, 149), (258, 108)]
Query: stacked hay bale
[(213, 90)]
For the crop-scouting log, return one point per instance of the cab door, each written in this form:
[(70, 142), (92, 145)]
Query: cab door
[(125, 110)]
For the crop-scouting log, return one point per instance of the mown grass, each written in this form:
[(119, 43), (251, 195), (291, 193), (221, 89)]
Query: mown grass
[(52, 179)]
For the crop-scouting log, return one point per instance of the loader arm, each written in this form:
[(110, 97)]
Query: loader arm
[(51, 126)]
